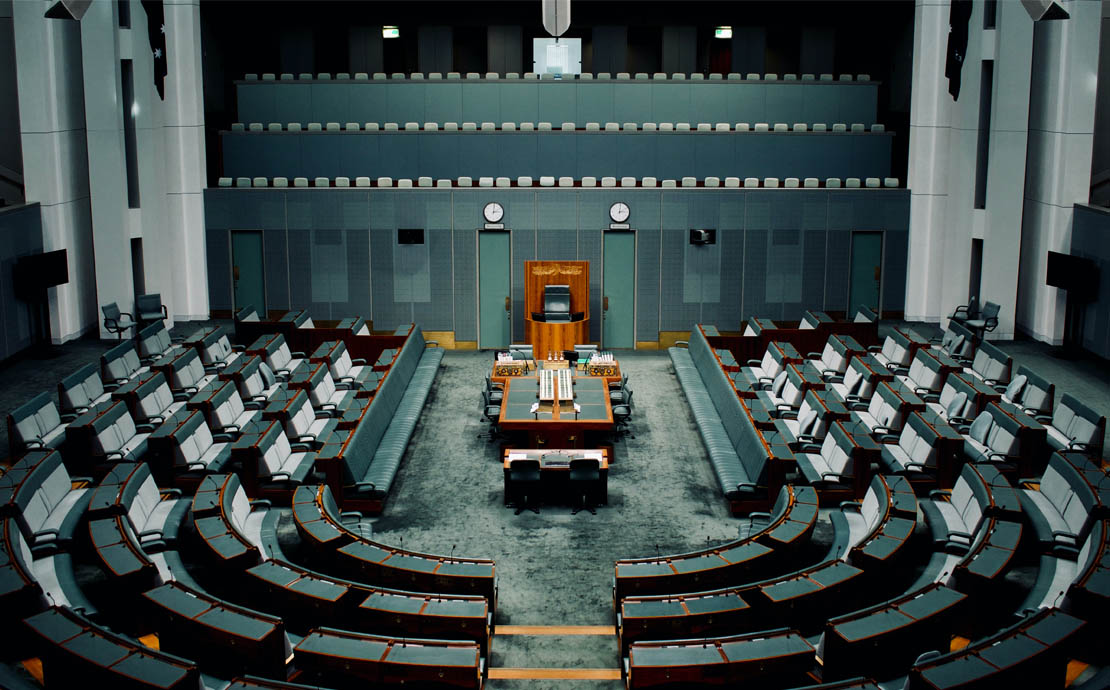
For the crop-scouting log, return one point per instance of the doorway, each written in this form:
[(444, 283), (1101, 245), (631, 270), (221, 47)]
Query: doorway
[(494, 290), (138, 273), (866, 273), (618, 302), (247, 275)]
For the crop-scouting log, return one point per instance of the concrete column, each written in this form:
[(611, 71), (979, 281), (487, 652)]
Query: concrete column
[(55, 165), (927, 177), (1060, 141), (107, 170), (185, 168)]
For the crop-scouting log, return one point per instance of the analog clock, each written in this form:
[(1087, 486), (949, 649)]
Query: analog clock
[(493, 212), (619, 212)]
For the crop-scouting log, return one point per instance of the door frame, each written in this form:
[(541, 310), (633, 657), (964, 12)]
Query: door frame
[(231, 268), (478, 232), (882, 266), (635, 280)]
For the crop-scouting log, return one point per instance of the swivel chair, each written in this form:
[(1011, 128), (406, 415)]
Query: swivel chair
[(491, 412), (622, 415), (585, 476), (494, 391), (986, 322), (524, 483), (965, 312)]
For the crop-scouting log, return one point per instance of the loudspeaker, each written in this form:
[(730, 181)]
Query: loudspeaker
[(68, 9), (1044, 10)]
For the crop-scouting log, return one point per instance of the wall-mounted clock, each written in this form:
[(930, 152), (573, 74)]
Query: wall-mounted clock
[(619, 212), (493, 212)]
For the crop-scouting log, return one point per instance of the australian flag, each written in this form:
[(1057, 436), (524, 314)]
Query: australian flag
[(156, 30)]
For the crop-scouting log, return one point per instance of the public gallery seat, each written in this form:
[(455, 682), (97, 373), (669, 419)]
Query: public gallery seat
[(36, 424)]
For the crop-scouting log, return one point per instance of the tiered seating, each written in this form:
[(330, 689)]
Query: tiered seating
[(195, 624), (269, 458), (1030, 393), (1074, 426), (349, 374), (307, 599), (225, 410), (305, 428), (1029, 653), (751, 659), (991, 366), (548, 181), (898, 350), (925, 445), (275, 354), (818, 410), (363, 471), (789, 525), (77, 652), (190, 446), (321, 524), (833, 361), (113, 434), (154, 342), (151, 402), (842, 460), (927, 372), (230, 526), (1062, 507), (860, 380), (886, 412), (332, 656), (120, 365)]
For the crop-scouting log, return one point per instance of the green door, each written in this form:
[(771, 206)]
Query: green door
[(247, 275), (866, 272), (494, 280), (618, 304)]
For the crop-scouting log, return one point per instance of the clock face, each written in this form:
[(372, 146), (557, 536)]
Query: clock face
[(493, 212), (619, 212)]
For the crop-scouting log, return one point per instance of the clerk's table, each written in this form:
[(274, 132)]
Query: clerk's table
[(556, 424), (555, 467)]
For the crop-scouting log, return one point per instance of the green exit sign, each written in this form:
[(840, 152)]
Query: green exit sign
[(722, 32), (391, 32)]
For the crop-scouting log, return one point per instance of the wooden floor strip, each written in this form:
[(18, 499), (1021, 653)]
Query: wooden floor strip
[(555, 673), (555, 630)]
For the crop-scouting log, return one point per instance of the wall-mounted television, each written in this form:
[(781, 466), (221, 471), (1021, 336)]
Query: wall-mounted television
[(1076, 274)]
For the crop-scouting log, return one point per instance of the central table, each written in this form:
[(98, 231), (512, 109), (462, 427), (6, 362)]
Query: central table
[(556, 424)]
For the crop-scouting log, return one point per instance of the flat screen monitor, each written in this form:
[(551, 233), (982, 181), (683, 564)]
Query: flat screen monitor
[(1078, 275)]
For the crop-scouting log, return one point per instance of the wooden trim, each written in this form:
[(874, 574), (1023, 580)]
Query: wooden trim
[(668, 338), (446, 339), (647, 345), (466, 344)]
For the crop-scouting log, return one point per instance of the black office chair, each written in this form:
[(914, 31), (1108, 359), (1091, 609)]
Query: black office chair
[(524, 484), (495, 391), (622, 415), (150, 308), (491, 413), (116, 321), (618, 390), (584, 479), (570, 355)]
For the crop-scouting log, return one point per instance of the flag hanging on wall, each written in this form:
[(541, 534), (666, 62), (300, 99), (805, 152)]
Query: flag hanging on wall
[(156, 30)]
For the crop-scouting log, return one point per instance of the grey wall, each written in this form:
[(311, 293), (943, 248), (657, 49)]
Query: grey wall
[(11, 153), (1090, 238), (749, 49), (504, 49), (817, 51), (574, 154), (517, 100), (20, 235), (1100, 154), (435, 49), (365, 48), (680, 49), (778, 252), (610, 49)]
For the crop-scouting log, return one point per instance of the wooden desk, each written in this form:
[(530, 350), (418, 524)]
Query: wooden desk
[(555, 336), (555, 467), (501, 373), (555, 425)]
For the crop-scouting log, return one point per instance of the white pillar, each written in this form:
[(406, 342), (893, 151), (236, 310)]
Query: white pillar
[(185, 162), (107, 170), (927, 177), (55, 167), (1061, 137)]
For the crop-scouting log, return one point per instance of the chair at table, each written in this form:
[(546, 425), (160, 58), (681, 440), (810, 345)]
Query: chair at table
[(622, 415), (618, 390), (150, 308), (965, 312), (556, 303), (491, 412), (524, 484), (585, 476), (495, 391), (116, 321)]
